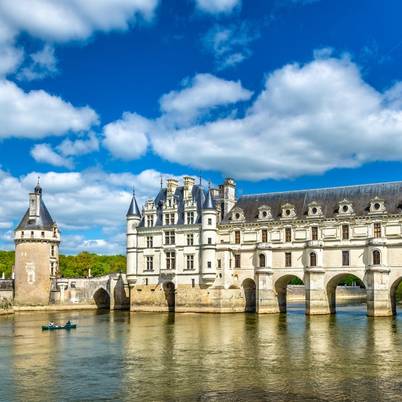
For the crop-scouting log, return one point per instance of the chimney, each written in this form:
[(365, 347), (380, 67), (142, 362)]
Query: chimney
[(172, 185), (188, 186)]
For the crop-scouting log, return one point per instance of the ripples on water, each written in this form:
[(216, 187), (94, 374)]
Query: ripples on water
[(202, 357)]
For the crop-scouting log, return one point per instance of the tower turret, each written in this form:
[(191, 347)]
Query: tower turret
[(133, 220), (37, 241), (208, 240)]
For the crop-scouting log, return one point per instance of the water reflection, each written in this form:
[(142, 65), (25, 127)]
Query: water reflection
[(184, 357)]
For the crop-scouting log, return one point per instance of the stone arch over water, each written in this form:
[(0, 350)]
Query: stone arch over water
[(250, 295), (393, 296), (281, 286), (170, 295), (102, 298), (334, 281)]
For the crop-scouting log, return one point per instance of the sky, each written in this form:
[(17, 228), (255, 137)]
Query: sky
[(100, 97)]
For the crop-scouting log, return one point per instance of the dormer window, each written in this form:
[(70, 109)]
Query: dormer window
[(314, 210), (377, 206), (288, 211), (345, 208), (150, 221), (237, 214), (264, 213)]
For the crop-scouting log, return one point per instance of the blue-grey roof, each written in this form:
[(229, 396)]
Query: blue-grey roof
[(328, 198), (133, 210), (43, 222), (199, 194), (209, 201)]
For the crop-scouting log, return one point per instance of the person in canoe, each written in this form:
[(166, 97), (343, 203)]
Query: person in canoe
[(51, 324)]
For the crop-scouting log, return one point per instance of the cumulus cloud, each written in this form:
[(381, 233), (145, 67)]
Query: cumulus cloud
[(37, 114), (43, 63), (218, 6), (230, 45), (308, 119), (44, 153), (80, 146), (10, 58), (126, 138), (201, 93), (89, 206)]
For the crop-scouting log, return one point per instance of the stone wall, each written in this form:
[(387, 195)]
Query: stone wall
[(297, 293)]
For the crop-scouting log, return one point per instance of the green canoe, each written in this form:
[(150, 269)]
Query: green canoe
[(53, 327)]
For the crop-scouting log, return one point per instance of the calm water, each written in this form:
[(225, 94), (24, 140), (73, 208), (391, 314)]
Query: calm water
[(202, 357)]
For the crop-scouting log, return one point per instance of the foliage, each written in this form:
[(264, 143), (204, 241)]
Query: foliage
[(74, 265), (5, 304)]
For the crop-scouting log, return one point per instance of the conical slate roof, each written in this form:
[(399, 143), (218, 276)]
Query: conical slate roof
[(133, 210), (44, 221), (209, 201)]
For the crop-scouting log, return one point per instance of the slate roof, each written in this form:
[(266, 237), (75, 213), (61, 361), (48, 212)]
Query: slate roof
[(44, 222), (199, 195), (209, 201), (328, 198), (133, 210)]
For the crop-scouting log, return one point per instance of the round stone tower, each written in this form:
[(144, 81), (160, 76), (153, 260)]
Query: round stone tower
[(133, 220), (37, 240), (208, 240)]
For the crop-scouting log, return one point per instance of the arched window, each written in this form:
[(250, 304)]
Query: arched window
[(376, 257), (313, 259), (262, 260)]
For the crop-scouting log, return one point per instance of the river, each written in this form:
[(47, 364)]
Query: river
[(202, 357)]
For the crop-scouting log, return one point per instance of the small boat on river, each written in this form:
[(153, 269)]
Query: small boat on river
[(52, 327)]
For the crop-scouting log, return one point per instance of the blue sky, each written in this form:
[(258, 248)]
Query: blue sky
[(97, 97)]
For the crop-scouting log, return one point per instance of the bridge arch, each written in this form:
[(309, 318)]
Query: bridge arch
[(334, 281), (170, 295), (250, 295), (101, 296), (281, 288), (393, 295)]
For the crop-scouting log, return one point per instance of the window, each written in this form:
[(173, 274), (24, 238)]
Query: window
[(219, 263), (190, 262), (22, 234), (262, 260), (193, 283), (54, 232), (150, 242), (190, 218), (52, 268), (288, 259), (190, 239), (52, 251), (150, 263), (345, 258), (313, 259), (264, 235), (170, 260), (209, 264), (210, 221), (237, 236), (377, 229), (169, 219), (288, 234), (376, 257), (237, 261), (32, 234), (43, 234), (345, 232), (146, 281), (314, 233), (209, 240), (150, 221), (169, 238)]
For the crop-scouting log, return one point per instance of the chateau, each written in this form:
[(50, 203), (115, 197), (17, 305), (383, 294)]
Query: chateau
[(196, 249), (193, 249)]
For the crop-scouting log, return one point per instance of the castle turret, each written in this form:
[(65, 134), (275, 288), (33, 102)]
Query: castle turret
[(37, 242), (208, 240), (133, 220)]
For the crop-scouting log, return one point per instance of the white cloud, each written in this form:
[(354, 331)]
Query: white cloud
[(44, 153), (37, 114), (218, 6), (230, 45), (89, 207), (43, 63), (203, 92), (308, 119), (127, 138), (80, 146), (10, 58)]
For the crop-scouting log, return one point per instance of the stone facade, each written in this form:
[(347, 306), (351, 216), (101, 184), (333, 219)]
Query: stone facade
[(193, 249)]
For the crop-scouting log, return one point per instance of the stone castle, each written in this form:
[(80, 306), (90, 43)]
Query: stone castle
[(196, 249)]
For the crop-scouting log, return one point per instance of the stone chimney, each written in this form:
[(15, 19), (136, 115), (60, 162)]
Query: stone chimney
[(172, 185), (188, 186)]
